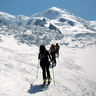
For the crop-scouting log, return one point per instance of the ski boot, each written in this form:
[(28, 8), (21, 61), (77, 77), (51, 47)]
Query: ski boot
[(49, 81)]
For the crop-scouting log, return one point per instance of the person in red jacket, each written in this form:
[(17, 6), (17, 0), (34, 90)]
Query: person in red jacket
[(52, 53)]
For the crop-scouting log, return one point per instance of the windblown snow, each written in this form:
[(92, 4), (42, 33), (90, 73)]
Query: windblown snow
[(20, 73)]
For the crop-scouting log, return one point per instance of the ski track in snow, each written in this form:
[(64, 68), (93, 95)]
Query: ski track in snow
[(18, 70)]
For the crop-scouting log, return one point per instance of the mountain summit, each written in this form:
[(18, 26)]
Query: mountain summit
[(64, 20), (51, 13)]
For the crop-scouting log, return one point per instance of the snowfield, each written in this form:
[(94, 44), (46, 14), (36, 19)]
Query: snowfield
[(74, 75)]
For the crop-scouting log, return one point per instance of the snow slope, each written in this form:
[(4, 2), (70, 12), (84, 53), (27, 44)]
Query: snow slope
[(74, 73)]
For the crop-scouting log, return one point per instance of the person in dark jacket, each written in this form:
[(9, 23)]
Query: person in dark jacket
[(44, 57), (57, 48)]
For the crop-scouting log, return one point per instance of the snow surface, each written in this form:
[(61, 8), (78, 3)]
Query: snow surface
[(74, 75)]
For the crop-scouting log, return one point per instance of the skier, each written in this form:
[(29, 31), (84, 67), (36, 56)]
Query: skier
[(57, 47), (44, 57), (52, 53)]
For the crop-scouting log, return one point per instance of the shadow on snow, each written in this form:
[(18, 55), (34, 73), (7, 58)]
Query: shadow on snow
[(35, 88)]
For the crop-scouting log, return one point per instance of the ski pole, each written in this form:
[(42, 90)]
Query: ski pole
[(36, 74), (53, 76)]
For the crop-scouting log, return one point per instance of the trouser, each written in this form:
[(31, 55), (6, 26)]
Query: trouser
[(53, 57), (45, 70)]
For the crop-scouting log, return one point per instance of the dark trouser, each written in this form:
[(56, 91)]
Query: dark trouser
[(45, 70), (53, 57)]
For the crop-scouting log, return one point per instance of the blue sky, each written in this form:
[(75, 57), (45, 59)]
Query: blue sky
[(83, 8)]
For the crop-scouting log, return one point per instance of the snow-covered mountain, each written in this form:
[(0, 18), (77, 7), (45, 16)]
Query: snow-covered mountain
[(59, 17), (53, 22), (65, 20)]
